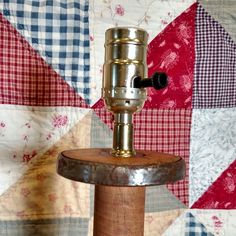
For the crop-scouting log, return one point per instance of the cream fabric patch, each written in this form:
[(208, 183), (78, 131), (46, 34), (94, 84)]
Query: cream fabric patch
[(152, 16), (41, 192), (212, 147)]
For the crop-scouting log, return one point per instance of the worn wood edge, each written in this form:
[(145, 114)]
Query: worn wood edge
[(120, 175)]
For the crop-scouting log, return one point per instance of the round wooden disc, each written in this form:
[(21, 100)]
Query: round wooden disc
[(98, 166)]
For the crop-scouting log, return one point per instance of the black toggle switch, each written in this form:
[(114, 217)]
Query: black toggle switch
[(157, 81)]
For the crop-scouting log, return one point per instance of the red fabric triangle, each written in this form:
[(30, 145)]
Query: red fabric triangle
[(99, 104), (25, 78), (172, 51), (222, 193), (162, 130), (157, 127)]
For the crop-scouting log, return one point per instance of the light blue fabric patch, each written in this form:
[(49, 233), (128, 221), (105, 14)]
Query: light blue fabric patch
[(62, 227), (159, 198)]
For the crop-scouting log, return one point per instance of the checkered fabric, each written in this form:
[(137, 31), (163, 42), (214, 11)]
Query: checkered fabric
[(25, 79), (166, 131), (105, 116), (215, 65), (194, 228), (59, 31), (163, 130)]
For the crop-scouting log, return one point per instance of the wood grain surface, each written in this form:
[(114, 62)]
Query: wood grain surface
[(119, 211), (102, 155)]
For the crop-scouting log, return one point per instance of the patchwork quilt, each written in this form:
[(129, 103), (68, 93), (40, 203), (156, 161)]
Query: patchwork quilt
[(51, 58)]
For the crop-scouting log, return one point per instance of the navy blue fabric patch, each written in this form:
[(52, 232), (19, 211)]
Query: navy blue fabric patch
[(193, 227), (59, 31)]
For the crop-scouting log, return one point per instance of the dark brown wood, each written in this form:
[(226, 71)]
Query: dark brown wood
[(98, 166), (119, 211)]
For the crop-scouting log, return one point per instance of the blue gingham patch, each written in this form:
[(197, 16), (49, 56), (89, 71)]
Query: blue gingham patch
[(59, 31), (193, 227)]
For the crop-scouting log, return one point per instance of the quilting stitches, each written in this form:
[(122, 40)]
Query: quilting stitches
[(215, 65), (60, 32)]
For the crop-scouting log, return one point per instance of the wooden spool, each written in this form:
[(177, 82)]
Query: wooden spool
[(119, 184)]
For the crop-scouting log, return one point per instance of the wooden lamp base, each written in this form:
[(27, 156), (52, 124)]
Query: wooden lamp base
[(119, 211), (119, 184)]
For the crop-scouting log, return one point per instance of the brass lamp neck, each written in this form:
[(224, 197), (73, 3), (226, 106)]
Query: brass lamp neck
[(123, 135)]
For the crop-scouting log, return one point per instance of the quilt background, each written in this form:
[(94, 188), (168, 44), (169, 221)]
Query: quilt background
[(51, 56)]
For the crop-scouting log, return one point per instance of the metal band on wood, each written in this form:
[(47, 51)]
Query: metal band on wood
[(98, 166)]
